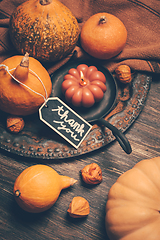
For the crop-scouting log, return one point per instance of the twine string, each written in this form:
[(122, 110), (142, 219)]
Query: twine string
[(7, 69)]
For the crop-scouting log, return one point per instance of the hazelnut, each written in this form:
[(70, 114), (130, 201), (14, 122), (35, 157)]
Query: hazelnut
[(79, 207), (92, 174), (15, 124), (123, 73)]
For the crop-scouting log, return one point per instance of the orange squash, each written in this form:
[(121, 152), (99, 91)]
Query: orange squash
[(133, 205), (46, 29), (84, 85), (38, 187), (103, 36), (16, 98)]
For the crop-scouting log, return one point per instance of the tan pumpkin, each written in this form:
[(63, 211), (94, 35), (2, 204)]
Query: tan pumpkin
[(38, 187), (133, 205), (46, 29), (16, 98)]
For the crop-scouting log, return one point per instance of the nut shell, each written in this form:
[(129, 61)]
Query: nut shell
[(79, 207), (123, 73), (92, 174), (15, 124)]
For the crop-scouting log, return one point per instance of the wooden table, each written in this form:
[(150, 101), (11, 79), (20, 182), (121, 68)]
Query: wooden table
[(144, 136)]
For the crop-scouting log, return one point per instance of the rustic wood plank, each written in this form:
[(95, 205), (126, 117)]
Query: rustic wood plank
[(144, 136)]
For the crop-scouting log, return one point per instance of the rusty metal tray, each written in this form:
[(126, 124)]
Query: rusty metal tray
[(37, 140)]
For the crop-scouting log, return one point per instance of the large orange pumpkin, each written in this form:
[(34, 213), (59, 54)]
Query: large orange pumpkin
[(103, 36), (46, 29), (133, 205), (16, 98), (38, 187)]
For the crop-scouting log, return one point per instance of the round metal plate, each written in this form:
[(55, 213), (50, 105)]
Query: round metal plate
[(37, 140)]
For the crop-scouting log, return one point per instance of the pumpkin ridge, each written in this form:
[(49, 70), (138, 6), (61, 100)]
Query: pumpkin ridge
[(135, 192), (130, 227), (148, 176), (31, 179), (25, 173), (142, 228), (135, 167), (128, 202)]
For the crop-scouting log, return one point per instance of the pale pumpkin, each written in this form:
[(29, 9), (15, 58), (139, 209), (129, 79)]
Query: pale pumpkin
[(46, 29), (84, 85), (133, 205), (38, 187), (16, 98)]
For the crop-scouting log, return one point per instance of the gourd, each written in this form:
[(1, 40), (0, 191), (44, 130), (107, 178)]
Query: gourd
[(46, 29), (18, 99), (103, 36), (84, 85), (133, 205), (38, 187)]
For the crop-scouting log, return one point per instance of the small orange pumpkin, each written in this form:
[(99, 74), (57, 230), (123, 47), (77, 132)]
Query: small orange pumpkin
[(133, 205), (16, 98), (38, 187), (103, 36), (84, 85)]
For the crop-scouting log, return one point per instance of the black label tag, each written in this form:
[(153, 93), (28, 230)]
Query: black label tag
[(63, 120)]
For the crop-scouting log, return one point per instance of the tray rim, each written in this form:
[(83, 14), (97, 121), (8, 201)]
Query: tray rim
[(12, 146)]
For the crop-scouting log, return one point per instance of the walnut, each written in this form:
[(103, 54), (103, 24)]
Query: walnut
[(79, 207), (15, 124), (123, 73), (92, 174)]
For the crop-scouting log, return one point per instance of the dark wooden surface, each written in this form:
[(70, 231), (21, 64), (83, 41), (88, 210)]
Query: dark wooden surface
[(15, 224)]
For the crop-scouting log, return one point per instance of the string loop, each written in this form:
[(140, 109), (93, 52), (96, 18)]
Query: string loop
[(32, 72)]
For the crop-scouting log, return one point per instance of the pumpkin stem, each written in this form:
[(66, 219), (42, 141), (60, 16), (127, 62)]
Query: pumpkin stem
[(17, 193), (22, 70), (67, 181), (25, 61), (102, 20), (45, 2)]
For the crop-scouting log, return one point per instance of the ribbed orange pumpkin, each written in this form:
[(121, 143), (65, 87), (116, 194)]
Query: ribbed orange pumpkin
[(133, 205), (46, 29), (17, 99)]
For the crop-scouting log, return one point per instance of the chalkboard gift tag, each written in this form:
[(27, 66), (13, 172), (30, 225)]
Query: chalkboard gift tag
[(63, 120)]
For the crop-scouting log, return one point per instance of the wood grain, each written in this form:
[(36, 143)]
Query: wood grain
[(144, 136)]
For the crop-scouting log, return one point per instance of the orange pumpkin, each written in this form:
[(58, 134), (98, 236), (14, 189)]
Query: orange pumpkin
[(38, 187), (103, 36), (84, 85), (133, 205), (16, 98), (46, 29)]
